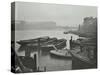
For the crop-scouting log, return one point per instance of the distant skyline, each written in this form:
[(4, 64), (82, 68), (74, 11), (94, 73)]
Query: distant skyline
[(63, 15)]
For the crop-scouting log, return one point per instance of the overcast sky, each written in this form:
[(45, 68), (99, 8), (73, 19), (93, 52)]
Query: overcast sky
[(61, 14)]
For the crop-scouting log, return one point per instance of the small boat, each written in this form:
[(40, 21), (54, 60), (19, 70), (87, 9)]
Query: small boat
[(61, 53)]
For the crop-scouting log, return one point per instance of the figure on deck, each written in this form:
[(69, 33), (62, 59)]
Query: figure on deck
[(71, 42)]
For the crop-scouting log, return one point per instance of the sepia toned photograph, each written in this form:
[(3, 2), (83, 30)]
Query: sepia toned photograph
[(53, 37)]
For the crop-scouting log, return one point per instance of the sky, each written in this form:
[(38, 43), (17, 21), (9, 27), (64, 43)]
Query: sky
[(63, 15)]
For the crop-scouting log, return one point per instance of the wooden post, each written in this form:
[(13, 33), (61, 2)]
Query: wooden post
[(39, 46), (66, 44), (27, 52), (35, 62), (38, 52)]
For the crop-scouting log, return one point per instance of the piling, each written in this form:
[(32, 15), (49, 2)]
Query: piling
[(27, 52), (38, 49), (35, 62)]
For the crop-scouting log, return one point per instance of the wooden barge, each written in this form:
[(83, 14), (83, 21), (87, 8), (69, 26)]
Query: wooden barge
[(86, 56), (44, 43), (30, 41), (82, 62)]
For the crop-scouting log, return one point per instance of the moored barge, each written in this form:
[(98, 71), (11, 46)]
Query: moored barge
[(35, 40), (86, 56), (44, 43)]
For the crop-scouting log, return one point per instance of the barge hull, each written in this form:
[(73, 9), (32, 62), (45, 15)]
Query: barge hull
[(78, 63)]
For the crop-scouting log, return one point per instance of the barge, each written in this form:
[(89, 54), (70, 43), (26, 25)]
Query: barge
[(86, 56), (44, 43), (30, 41), (82, 62)]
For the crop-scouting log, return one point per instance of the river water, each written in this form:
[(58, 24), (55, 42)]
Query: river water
[(46, 60)]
